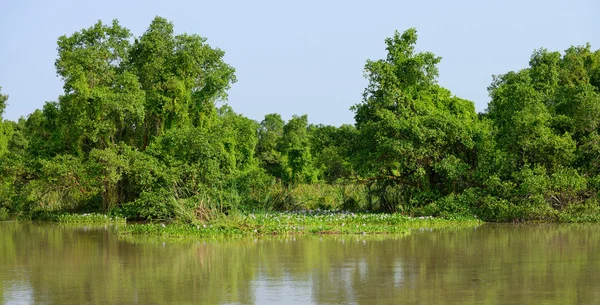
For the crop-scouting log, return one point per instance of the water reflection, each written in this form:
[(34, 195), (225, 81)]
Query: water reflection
[(18, 292), (492, 264)]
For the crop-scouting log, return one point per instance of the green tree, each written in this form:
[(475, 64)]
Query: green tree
[(15, 167), (62, 183), (545, 124), (45, 132), (183, 78), (3, 100), (270, 133), (527, 129), (414, 136), (239, 135), (5, 128), (103, 102), (10, 164), (332, 148), (295, 148), (108, 165)]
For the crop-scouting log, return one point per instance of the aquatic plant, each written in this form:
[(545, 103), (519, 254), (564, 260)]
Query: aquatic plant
[(298, 222)]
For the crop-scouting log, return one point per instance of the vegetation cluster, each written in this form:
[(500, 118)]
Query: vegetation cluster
[(141, 132), (298, 222)]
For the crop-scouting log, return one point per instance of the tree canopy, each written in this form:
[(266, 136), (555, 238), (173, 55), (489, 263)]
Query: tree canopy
[(414, 135), (140, 131)]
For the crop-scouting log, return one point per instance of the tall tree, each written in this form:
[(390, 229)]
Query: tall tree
[(239, 134), (270, 133), (414, 135), (295, 148), (524, 124), (3, 99), (5, 127), (331, 148), (182, 76), (102, 102)]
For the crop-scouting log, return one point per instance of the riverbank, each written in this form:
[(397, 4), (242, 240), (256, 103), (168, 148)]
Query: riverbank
[(86, 218), (270, 224), (296, 223)]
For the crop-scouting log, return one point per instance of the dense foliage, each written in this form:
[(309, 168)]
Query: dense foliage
[(139, 132)]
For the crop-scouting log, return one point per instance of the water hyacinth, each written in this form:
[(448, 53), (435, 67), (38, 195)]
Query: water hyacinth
[(86, 218), (298, 222)]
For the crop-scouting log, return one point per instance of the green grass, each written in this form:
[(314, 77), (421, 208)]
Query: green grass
[(293, 223), (88, 218)]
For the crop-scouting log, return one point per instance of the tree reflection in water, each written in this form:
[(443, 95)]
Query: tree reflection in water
[(492, 264)]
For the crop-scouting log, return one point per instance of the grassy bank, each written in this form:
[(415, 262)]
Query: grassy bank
[(86, 218), (294, 223)]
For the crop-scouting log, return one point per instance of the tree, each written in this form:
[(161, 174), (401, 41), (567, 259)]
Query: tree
[(414, 136), (524, 124), (108, 166), (63, 183), (546, 122), (182, 76), (15, 167), (332, 148), (3, 99), (46, 133), (548, 114), (5, 128), (270, 133), (103, 102), (295, 148), (7, 166), (137, 123), (239, 135)]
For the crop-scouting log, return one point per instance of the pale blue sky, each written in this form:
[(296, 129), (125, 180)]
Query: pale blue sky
[(303, 57)]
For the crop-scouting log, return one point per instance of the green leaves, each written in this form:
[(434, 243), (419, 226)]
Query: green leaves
[(546, 113), (92, 57), (108, 165), (412, 132), (182, 76), (120, 98), (5, 128), (103, 102), (284, 149), (118, 92), (63, 183), (270, 134), (3, 99), (138, 128)]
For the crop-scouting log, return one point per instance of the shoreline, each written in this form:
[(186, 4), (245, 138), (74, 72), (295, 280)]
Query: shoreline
[(257, 224)]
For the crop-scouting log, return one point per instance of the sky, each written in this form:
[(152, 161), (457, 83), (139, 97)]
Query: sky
[(303, 57)]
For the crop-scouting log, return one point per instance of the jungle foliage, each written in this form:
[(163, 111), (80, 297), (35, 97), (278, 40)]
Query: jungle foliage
[(141, 131)]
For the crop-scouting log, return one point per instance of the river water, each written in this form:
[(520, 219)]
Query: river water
[(490, 264)]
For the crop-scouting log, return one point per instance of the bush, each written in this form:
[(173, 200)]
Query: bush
[(64, 184), (588, 211), (149, 206), (568, 187), (452, 206), (496, 209)]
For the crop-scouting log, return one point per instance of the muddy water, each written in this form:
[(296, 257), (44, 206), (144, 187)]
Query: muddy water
[(491, 264)]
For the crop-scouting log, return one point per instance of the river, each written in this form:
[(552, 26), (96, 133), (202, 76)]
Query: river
[(49, 263)]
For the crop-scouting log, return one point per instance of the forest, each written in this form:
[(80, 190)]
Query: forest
[(142, 131)]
